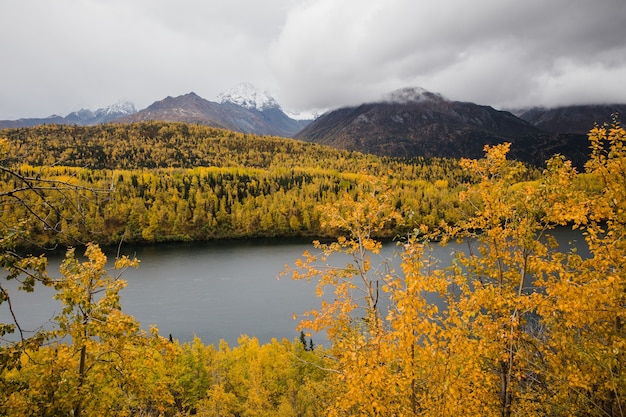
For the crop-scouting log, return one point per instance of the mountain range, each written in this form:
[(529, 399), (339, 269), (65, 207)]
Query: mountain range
[(405, 123), (83, 117), (415, 122), (242, 109)]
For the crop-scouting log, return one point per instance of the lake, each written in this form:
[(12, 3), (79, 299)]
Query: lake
[(218, 291), (212, 290)]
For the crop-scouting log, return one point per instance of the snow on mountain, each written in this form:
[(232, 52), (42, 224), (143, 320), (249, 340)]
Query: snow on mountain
[(412, 95), (121, 108), (302, 115), (249, 97), (103, 115)]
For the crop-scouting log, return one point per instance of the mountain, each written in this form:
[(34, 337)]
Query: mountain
[(571, 119), (104, 115), (247, 96), (54, 119), (415, 122), (188, 108), (405, 123), (242, 109), (83, 117), (263, 105)]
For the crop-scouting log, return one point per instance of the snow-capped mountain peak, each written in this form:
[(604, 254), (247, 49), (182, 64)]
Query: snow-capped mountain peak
[(412, 95), (246, 95), (122, 107), (102, 115)]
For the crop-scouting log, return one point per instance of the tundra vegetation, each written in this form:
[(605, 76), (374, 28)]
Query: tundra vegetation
[(523, 327)]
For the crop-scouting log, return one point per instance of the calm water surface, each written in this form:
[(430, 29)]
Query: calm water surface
[(218, 291), (212, 290)]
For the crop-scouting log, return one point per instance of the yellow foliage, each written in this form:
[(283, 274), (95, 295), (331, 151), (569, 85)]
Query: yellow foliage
[(515, 326)]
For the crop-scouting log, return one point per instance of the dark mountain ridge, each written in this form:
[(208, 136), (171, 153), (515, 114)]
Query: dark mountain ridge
[(414, 122), (571, 119)]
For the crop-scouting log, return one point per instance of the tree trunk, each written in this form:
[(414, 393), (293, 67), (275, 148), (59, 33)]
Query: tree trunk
[(81, 378)]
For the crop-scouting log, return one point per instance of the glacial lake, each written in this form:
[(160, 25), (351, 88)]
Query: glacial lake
[(213, 290)]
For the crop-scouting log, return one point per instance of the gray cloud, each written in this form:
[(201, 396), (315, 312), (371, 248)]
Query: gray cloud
[(63, 55), (494, 52), (314, 54)]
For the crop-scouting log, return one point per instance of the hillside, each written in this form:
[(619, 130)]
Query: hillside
[(159, 181), (170, 145)]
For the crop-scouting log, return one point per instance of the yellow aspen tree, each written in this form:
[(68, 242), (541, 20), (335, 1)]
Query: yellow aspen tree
[(93, 366), (585, 307), (147, 384), (427, 345), (38, 386), (192, 372), (219, 403), (353, 320), (99, 331), (510, 251)]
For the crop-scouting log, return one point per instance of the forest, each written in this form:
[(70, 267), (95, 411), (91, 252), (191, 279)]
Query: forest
[(524, 327), (156, 182)]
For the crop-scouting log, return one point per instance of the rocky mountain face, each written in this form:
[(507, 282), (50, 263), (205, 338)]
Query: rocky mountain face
[(415, 122), (243, 109), (188, 108), (83, 117), (261, 105)]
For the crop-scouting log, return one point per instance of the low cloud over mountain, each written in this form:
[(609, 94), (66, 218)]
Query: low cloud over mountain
[(403, 123), (416, 122)]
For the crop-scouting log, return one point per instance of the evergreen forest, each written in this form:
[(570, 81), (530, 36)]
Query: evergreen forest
[(523, 327)]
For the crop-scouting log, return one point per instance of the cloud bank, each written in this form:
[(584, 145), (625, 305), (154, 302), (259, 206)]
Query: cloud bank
[(313, 54), (502, 53)]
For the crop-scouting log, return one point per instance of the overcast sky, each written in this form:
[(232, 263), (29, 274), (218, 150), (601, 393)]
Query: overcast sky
[(63, 55)]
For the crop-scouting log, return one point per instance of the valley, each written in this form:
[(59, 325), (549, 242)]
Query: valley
[(481, 306)]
